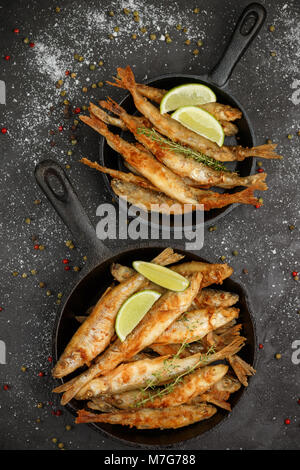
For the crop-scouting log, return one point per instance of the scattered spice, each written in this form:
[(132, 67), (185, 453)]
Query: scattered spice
[(48, 293), (292, 227), (289, 136), (277, 356), (92, 66), (68, 427), (42, 285), (67, 268), (272, 28), (40, 405), (100, 63), (196, 51), (41, 374), (6, 387), (235, 252), (196, 10), (261, 346), (212, 228), (100, 84), (3, 130), (287, 421), (152, 37), (273, 53), (187, 42)]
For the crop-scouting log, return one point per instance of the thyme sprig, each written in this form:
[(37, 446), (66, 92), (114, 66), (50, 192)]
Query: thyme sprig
[(168, 144), (168, 388)]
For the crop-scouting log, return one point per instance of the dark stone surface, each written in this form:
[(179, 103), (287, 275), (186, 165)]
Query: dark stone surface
[(266, 246)]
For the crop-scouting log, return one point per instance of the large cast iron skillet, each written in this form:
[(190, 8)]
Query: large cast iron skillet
[(246, 29), (96, 278)]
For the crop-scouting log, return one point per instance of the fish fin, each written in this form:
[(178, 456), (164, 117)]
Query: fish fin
[(262, 151), (127, 77), (258, 181), (241, 369)]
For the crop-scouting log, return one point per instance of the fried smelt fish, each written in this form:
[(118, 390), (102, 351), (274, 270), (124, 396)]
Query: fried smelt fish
[(156, 371), (178, 133), (241, 369), (197, 173), (194, 325), (219, 111), (165, 310), (159, 175), (215, 298), (168, 418), (193, 384), (95, 333), (148, 200), (212, 273)]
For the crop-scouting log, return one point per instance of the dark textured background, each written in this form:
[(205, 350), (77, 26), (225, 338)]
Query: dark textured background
[(266, 246)]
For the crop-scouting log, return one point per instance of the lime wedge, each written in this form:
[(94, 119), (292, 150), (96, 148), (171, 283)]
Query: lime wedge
[(190, 94), (162, 276), (201, 122), (133, 310)]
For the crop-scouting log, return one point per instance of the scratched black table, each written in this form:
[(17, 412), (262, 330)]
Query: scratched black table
[(38, 43)]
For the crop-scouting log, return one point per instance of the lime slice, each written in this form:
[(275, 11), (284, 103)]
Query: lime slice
[(201, 122), (190, 94), (133, 310), (162, 276)]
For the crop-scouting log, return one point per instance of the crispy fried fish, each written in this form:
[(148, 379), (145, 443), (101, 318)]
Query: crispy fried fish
[(178, 133), (155, 371), (94, 335), (165, 310), (194, 325), (198, 173), (168, 418)]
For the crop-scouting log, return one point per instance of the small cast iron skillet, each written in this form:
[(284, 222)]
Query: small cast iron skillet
[(246, 29), (96, 277)]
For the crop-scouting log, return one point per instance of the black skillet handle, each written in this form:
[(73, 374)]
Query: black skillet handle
[(58, 189), (248, 25)]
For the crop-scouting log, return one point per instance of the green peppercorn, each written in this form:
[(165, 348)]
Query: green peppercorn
[(100, 63), (59, 295), (126, 11), (178, 27), (24, 275), (48, 293), (272, 28), (26, 40), (84, 258), (94, 85), (81, 58), (152, 37), (69, 153), (60, 445), (116, 29), (67, 166), (57, 9), (15, 273), (76, 56), (235, 252), (196, 10), (136, 19), (289, 136), (84, 107), (92, 66), (168, 40), (63, 93), (76, 268), (222, 258), (111, 13), (212, 228), (135, 13), (110, 36), (273, 53), (41, 247), (259, 163), (76, 122), (27, 220), (73, 75), (133, 36), (199, 43), (23, 369), (143, 30), (54, 440)]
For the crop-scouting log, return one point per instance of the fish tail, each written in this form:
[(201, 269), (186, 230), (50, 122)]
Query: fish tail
[(127, 78), (234, 347), (258, 181), (262, 151), (117, 83), (246, 196), (96, 124), (112, 106)]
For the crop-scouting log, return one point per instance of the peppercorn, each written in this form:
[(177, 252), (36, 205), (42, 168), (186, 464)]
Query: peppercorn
[(84, 108), (136, 19), (111, 13), (235, 252), (212, 228), (168, 40), (15, 273), (81, 58), (92, 66), (24, 275), (40, 405), (42, 285), (84, 89), (67, 166), (199, 43), (273, 54), (41, 247), (287, 421), (54, 440), (73, 75), (76, 268), (277, 356), (84, 258), (23, 369), (68, 427), (196, 51), (196, 10), (185, 30), (69, 152), (27, 220), (292, 227), (187, 42), (152, 37), (57, 9), (63, 93), (126, 11), (290, 136), (100, 84), (59, 295), (178, 27), (33, 272), (94, 85), (100, 63), (116, 29), (133, 36), (110, 36), (143, 30), (48, 293), (272, 28), (222, 258), (26, 40)]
